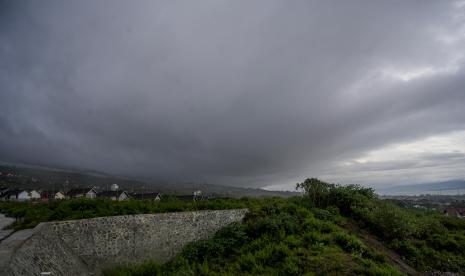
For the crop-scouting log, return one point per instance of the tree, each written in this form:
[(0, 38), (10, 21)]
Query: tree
[(316, 190)]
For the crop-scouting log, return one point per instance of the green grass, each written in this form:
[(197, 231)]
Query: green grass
[(277, 237), (293, 236), (30, 214)]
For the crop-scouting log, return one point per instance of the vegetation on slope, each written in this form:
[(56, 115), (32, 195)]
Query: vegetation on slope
[(428, 241), (277, 237), (308, 236), (312, 234), (29, 214)]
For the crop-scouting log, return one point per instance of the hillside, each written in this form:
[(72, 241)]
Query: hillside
[(331, 230), (334, 230), (35, 177)]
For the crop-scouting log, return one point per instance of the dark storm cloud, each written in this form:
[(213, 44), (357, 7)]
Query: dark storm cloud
[(233, 92)]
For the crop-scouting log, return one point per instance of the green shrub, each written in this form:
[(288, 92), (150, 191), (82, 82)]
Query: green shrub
[(349, 243), (294, 236), (278, 237)]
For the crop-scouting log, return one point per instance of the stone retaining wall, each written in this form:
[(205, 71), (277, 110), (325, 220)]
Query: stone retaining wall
[(85, 247)]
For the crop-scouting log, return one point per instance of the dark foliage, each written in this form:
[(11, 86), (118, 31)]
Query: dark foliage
[(293, 236)]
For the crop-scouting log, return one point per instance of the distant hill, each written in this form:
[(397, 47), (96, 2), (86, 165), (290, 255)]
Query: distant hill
[(446, 187), (44, 178), (227, 191)]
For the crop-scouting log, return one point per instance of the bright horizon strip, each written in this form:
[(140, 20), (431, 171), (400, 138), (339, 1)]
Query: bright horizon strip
[(431, 159)]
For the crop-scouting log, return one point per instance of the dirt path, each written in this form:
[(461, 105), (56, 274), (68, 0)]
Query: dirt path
[(371, 241)]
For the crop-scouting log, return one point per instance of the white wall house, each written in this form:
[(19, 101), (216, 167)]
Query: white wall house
[(27, 195), (33, 194), (91, 194), (60, 195), (114, 195), (23, 195), (86, 192), (123, 196)]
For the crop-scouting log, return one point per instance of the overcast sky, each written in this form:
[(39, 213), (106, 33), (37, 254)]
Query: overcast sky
[(246, 93)]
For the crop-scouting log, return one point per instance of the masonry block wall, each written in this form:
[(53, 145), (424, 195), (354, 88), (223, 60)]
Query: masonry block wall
[(85, 247)]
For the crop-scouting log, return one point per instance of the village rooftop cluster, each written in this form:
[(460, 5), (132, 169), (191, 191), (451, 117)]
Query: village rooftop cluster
[(12, 193), (7, 194)]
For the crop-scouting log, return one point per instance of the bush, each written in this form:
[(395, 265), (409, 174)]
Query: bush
[(278, 237), (350, 243)]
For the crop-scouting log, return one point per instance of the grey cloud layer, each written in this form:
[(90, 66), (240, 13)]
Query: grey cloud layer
[(236, 92)]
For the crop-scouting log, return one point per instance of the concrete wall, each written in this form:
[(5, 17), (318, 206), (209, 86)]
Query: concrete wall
[(85, 247)]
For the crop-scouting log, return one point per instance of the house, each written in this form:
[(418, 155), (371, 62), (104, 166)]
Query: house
[(60, 195), (51, 195), (21, 195), (114, 195), (47, 195), (82, 192), (28, 195), (8, 194), (3, 193), (147, 196), (455, 212)]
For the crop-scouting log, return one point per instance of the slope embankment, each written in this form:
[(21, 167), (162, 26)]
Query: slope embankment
[(85, 247), (372, 242), (4, 222)]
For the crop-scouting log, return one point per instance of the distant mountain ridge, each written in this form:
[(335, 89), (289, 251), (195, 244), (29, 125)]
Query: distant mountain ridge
[(47, 178), (434, 187)]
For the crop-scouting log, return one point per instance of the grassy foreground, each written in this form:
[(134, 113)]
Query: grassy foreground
[(278, 237), (29, 214), (311, 235)]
